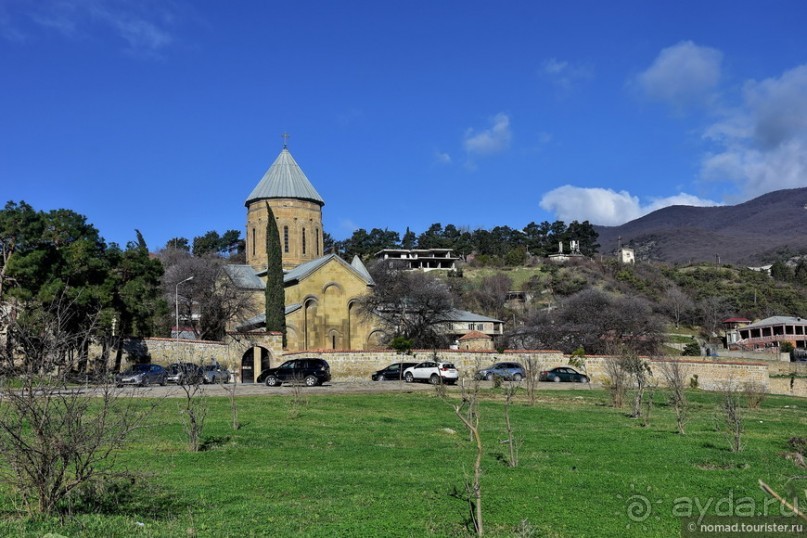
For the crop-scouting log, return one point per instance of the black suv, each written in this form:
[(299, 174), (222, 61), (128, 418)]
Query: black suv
[(309, 371)]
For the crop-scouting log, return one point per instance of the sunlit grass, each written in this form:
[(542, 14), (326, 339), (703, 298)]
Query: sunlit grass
[(386, 465)]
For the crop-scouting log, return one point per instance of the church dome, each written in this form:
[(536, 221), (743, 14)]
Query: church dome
[(284, 179)]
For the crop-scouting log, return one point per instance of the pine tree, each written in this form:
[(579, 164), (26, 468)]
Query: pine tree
[(275, 294)]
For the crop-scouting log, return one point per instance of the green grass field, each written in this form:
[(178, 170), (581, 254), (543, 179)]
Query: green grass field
[(387, 464)]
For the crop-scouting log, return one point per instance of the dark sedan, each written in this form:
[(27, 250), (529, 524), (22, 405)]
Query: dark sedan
[(563, 374), (393, 372)]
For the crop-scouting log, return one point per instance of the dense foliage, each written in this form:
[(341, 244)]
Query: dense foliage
[(275, 294), (500, 245), (58, 256)]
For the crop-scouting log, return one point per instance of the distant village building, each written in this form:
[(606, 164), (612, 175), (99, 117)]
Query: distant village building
[(475, 341), (769, 333), (422, 259), (626, 255), (561, 257)]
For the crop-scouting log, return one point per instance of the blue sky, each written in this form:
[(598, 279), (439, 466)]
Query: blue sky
[(162, 115)]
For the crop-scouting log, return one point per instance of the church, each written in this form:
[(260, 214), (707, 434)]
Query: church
[(321, 289)]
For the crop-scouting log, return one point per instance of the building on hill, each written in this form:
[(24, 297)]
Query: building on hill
[(423, 259), (560, 256), (769, 333)]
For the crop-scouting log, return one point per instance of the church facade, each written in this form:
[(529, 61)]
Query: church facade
[(321, 290)]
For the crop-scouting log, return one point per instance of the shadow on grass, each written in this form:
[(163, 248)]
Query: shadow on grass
[(212, 443), (125, 494)]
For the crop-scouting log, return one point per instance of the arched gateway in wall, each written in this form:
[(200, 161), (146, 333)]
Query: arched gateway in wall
[(256, 352)]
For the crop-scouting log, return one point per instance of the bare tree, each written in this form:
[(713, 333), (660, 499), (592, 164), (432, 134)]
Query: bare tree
[(467, 410), (509, 392), (231, 395), (211, 294), (732, 417), (678, 304), (411, 304), (531, 371), (55, 437), (193, 411), (675, 373)]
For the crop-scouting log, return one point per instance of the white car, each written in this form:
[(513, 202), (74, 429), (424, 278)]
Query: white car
[(433, 372)]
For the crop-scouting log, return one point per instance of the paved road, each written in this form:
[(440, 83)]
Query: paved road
[(333, 387)]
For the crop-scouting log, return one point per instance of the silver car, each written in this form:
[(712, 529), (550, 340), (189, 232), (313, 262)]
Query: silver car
[(142, 375), (213, 373)]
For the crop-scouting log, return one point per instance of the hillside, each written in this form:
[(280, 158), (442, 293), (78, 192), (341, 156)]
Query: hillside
[(752, 233)]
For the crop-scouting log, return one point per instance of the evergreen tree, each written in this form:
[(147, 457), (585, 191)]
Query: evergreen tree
[(275, 294)]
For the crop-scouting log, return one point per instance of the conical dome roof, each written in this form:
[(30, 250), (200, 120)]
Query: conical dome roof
[(284, 179)]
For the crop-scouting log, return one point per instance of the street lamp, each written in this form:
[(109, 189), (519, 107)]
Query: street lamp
[(176, 301)]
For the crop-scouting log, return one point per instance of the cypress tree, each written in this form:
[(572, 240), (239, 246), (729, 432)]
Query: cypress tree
[(275, 294)]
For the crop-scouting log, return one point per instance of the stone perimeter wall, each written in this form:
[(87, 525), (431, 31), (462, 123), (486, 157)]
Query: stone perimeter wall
[(358, 365)]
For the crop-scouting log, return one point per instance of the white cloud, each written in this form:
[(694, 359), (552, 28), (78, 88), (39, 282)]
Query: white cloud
[(144, 25), (441, 157), (563, 74), (762, 144), (682, 75), (608, 207), (493, 140)]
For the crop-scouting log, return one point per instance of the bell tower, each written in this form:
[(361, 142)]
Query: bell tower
[(297, 207)]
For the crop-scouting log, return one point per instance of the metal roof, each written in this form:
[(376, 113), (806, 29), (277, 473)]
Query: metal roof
[(284, 179), (777, 320), (464, 315), (244, 277), (305, 269)]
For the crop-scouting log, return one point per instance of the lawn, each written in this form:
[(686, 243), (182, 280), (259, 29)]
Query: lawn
[(391, 464)]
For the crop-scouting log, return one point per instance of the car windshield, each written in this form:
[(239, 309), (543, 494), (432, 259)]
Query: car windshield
[(448, 365), (137, 368), (287, 364)]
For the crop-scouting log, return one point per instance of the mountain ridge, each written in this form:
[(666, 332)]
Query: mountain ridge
[(755, 232)]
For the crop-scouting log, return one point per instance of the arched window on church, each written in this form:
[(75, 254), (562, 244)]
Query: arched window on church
[(286, 239), (303, 241)]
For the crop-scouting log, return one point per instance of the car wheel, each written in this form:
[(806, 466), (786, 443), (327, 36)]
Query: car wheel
[(145, 382), (556, 380), (311, 381), (434, 379), (163, 381), (271, 381), (380, 377), (490, 376), (584, 379), (517, 377), (409, 377)]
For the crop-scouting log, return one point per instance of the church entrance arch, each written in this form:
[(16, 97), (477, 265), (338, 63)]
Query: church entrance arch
[(255, 356)]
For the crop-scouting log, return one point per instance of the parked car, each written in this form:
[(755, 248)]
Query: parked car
[(562, 373), (184, 373), (213, 373), (511, 371), (393, 372), (142, 375), (310, 371), (433, 372)]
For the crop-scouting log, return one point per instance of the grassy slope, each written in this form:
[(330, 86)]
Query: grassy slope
[(373, 465)]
